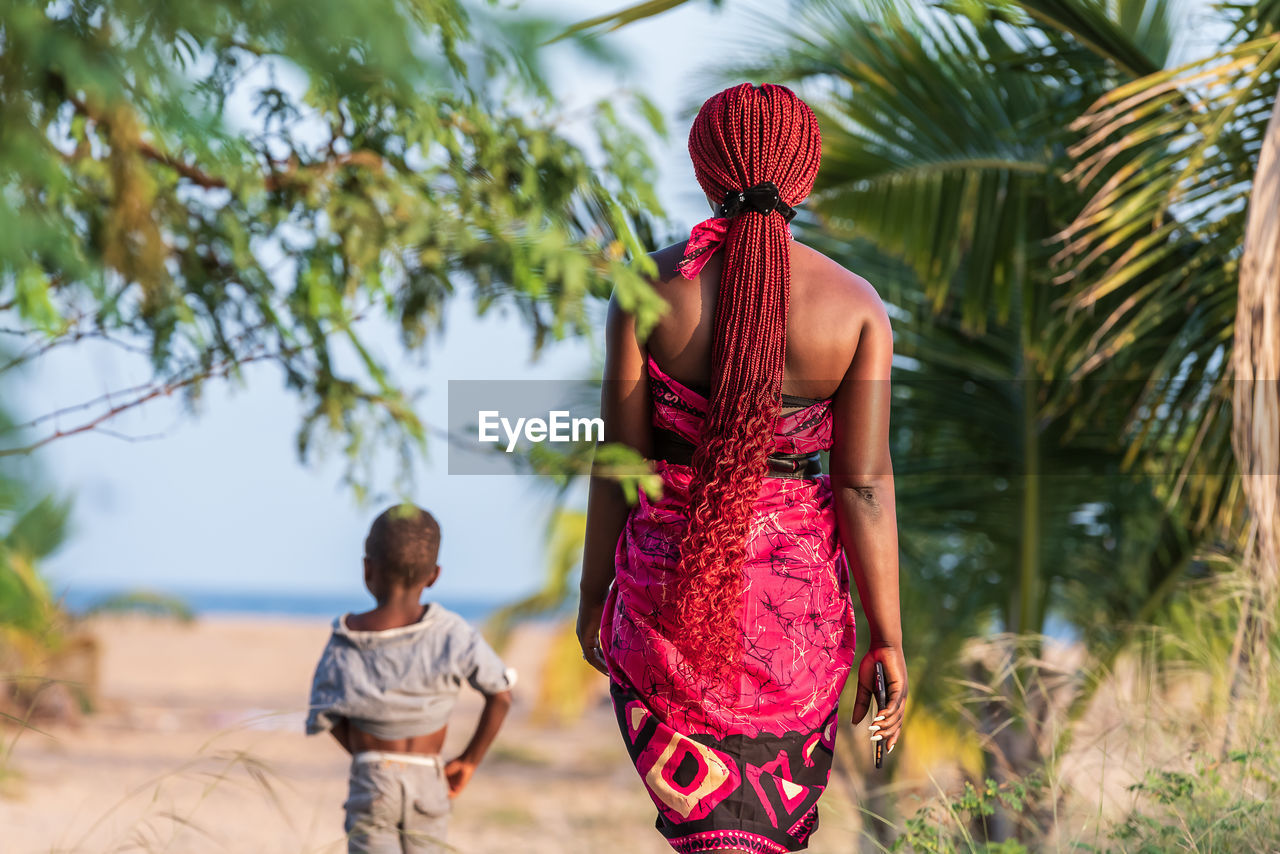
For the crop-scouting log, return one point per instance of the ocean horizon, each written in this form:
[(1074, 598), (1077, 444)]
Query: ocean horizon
[(80, 600)]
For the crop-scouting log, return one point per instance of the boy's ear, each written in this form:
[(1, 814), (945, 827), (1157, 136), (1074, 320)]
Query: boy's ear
[(433, 575)]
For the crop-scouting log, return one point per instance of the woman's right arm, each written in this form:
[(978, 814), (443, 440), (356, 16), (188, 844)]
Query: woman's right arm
[(862, 484), (624, 406)]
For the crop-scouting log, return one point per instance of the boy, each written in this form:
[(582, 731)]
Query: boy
[(386, 683)]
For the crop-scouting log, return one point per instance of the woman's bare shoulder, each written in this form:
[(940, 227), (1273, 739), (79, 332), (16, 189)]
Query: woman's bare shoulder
[(818, 281), (666, 260), (666, 279), (827, 283)]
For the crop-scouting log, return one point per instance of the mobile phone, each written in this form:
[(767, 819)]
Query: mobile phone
[(882, 701)]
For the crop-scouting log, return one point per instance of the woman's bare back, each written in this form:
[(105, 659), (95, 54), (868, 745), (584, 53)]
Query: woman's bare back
[(829, 308)]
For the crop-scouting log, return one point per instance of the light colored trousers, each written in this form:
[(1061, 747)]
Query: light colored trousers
[(397, 803)]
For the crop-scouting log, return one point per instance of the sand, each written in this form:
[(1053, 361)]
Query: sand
[(197, 746)]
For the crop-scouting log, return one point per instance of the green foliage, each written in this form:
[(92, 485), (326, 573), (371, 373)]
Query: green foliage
[(1126, 33), (958, 823), (1161, 718), (566, 683), (28, 614), (627, 15), (224, 182), (32, 526), (143, 602), (566, 528), (1155, 255), (631, 471), (613, 460), (1226, 805), (32, 622), (565, 536), (40, 529)]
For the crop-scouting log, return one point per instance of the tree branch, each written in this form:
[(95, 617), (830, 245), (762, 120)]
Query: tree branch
[(72, 336), (142, 394), (192, 173)]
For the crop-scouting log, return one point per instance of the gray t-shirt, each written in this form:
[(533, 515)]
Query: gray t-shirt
[(402, 682)]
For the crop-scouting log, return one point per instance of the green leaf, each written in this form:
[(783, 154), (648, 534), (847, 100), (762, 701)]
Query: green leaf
[(40, 530), (614, 20), (34, 303)]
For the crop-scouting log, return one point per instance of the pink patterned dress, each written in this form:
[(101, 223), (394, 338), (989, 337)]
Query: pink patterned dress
[(742, 771)]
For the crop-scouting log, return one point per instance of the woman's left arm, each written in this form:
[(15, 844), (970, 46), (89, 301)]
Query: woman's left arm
[(624, 406)]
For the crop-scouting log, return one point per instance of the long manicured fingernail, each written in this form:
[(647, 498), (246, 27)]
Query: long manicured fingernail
[(878, 718), (872, 728), (892, 746), (876, 737)]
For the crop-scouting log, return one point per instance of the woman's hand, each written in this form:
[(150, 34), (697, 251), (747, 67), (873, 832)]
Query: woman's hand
[(887, 724), (589, 635)]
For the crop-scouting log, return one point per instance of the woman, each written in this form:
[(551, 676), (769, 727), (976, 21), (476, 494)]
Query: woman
[(721, 611)]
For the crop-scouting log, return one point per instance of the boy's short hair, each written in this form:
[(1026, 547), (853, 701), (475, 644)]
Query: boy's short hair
[(403, 544)]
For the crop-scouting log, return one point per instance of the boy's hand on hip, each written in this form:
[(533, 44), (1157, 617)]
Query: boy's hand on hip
[(458, 772)]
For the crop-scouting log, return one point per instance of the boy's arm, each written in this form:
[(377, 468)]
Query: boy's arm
[(459, 770), (341, 733), (487, 673), (326, 694)]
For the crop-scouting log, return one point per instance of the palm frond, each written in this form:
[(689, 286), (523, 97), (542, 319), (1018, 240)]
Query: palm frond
[(628, 15), (1135, 34), (1156, 251)]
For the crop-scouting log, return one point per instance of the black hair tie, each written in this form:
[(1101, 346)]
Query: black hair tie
[(762, 198)]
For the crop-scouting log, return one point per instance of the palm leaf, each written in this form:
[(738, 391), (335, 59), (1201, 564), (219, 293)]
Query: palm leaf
[(629, 15), (1134, 34), (1159, 243)]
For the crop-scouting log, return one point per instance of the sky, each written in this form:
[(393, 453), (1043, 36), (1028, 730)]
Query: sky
[(218, 500)]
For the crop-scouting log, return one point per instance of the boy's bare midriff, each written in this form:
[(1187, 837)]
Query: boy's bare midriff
[(356, 740), (429, 744)]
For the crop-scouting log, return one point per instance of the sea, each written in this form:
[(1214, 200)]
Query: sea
[(81, 600)]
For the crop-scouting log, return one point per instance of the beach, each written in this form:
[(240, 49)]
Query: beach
[(197, 746)]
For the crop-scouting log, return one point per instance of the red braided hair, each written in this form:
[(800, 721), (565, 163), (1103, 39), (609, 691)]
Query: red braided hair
[(741, 137)]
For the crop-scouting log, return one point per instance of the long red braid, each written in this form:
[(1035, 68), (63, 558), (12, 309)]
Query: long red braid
[(741, 137)]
